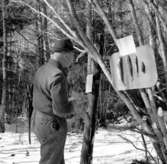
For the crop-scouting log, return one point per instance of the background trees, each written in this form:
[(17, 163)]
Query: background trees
[(13, 18)]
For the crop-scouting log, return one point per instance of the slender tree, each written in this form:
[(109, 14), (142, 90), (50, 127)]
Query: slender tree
[(40, 34), (3, 96), (45, 33), (90, 125)]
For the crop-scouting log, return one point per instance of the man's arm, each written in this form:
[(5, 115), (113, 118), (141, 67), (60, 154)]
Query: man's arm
[(61, 106)]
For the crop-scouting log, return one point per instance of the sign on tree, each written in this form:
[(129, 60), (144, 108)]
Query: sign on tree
[(134, 71)]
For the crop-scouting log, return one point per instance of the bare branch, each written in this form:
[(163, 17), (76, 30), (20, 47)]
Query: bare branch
[(101, 13), (60, 19), (120, 127), (80, 50), (28, 40), (81, 55), (141, 131), (51, 20), (132, 143)]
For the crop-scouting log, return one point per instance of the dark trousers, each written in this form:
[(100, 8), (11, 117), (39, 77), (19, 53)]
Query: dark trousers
[(51, 133)]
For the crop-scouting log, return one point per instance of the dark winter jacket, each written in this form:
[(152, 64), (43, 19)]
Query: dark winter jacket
[(50, 94)]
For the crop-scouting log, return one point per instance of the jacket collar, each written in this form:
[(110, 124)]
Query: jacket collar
[(57, 64)]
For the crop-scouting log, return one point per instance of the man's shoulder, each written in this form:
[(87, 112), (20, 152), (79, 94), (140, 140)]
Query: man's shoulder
[(53, 69), (48, 73), (49, 69)]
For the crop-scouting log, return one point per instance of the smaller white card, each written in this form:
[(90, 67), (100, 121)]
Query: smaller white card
[(126, 45), (89, 83)]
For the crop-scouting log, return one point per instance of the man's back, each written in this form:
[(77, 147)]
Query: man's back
[(46, 74)]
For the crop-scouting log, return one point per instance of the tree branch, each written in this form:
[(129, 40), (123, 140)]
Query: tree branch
[(132, 143), (52, 21), (101, 13), (60, 19)]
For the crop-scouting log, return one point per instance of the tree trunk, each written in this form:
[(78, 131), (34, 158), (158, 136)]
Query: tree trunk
[(161, 48), (45, 35), (3, 97), (136, 24), (90, 126), (102, 106), (40, 39)]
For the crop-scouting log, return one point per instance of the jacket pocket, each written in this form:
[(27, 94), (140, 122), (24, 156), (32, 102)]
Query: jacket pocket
[(42, 128), (55, 125)]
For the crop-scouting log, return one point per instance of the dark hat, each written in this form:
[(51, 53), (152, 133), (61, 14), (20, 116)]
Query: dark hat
[(63, 45)]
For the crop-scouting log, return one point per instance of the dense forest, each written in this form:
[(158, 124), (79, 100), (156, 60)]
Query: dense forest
[(28, 30)]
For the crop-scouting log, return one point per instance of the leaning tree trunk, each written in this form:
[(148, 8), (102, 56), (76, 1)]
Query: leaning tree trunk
[(90, 125), (3, 95)]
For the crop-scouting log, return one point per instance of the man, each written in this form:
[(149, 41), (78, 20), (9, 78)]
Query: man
[(51, 104)]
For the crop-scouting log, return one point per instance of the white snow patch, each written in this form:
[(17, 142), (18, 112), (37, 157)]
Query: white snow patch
[(108, 148)]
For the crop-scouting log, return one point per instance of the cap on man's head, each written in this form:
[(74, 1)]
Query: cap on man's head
[(63, 45)]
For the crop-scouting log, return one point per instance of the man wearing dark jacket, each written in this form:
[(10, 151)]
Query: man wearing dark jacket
[(51, 104)]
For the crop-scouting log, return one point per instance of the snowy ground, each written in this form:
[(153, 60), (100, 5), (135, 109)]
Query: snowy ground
[(109, 148)]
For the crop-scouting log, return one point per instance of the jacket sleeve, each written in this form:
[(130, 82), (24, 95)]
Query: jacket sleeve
[(59, 94)]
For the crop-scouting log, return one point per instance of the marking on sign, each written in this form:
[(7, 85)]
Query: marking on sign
[(126, 45), (134, 71)]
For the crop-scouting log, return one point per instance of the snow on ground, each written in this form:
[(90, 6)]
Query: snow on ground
[(109, 148)]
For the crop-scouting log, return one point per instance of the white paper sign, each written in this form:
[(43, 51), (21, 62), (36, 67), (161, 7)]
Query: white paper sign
[(134, 71), (126, 45), (89, 83)]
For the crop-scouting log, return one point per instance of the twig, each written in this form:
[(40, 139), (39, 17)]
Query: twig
[(132, 127), (24, 37), (80, 50), (141, 131), (120, 128), (81, 55), (131, 142), (145, 147)]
